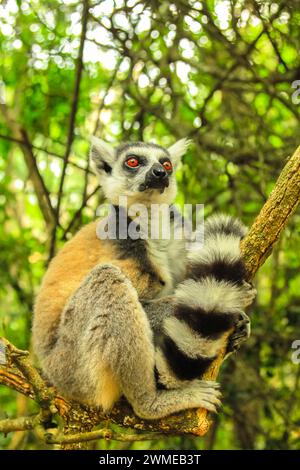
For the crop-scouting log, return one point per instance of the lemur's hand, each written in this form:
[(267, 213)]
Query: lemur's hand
[(242, 327), (240, 334), (250, 293)]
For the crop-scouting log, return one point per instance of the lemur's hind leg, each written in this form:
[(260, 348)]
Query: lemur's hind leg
[(105, 321)]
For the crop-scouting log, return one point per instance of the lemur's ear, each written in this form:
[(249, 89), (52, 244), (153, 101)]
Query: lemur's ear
[(102, 154), (178, 149)]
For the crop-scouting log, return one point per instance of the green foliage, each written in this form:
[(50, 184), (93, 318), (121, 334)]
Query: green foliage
[(220, 72)]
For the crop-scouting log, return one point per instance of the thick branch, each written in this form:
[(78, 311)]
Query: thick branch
[(256, 247), (273, 217)]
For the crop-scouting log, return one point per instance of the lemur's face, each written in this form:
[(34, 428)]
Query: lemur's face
[(143, 172)]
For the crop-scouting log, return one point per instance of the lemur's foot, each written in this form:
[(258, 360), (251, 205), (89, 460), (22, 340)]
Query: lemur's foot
[(208, 393), (250, 293), (241, 333)]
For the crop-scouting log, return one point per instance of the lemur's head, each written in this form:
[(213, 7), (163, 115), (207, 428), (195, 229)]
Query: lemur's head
[(143, 172)]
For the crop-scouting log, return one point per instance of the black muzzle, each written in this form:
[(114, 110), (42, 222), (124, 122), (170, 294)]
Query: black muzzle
[(156, 178)]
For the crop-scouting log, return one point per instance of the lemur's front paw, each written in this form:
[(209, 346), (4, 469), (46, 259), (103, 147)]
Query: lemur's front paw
[(250, 293), (207, 393), (240, 334)]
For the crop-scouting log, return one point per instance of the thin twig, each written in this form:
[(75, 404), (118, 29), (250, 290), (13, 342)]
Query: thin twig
[(44, 150), (77, 214), (18, 424)]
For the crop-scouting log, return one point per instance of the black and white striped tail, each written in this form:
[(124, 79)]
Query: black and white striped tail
[(209, 301)]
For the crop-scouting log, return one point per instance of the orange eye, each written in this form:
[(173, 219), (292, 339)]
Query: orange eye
[(132, 162), (167, 166)]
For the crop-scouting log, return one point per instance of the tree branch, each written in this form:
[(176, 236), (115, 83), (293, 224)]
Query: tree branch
[(44, 150), (85, 197), (20, 375), (77, 215), (107, 434), (19, 424), (20, 135), (79, 70), (274, 216)]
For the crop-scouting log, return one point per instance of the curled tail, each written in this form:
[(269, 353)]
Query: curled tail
[(220, 257), (209, 303)]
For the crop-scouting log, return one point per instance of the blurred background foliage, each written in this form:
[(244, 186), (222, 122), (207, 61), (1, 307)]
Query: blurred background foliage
[(219, 72)]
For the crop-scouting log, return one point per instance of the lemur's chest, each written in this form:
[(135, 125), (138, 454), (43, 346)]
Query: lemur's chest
[(168, 260), (159, 259)]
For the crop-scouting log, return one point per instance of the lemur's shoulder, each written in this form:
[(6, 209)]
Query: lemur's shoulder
[(72, 264), (79, 255)]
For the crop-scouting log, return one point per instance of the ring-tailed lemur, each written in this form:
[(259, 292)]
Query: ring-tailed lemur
[(140, 317)]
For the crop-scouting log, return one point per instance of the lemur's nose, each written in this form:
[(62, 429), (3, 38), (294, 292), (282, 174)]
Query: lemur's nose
[(159, 172)]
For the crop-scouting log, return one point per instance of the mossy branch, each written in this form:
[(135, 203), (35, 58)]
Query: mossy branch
[(18, 373)]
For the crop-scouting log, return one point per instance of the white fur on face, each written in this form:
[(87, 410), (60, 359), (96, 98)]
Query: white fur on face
[(101, 151), (122, 183), (114, 188)]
